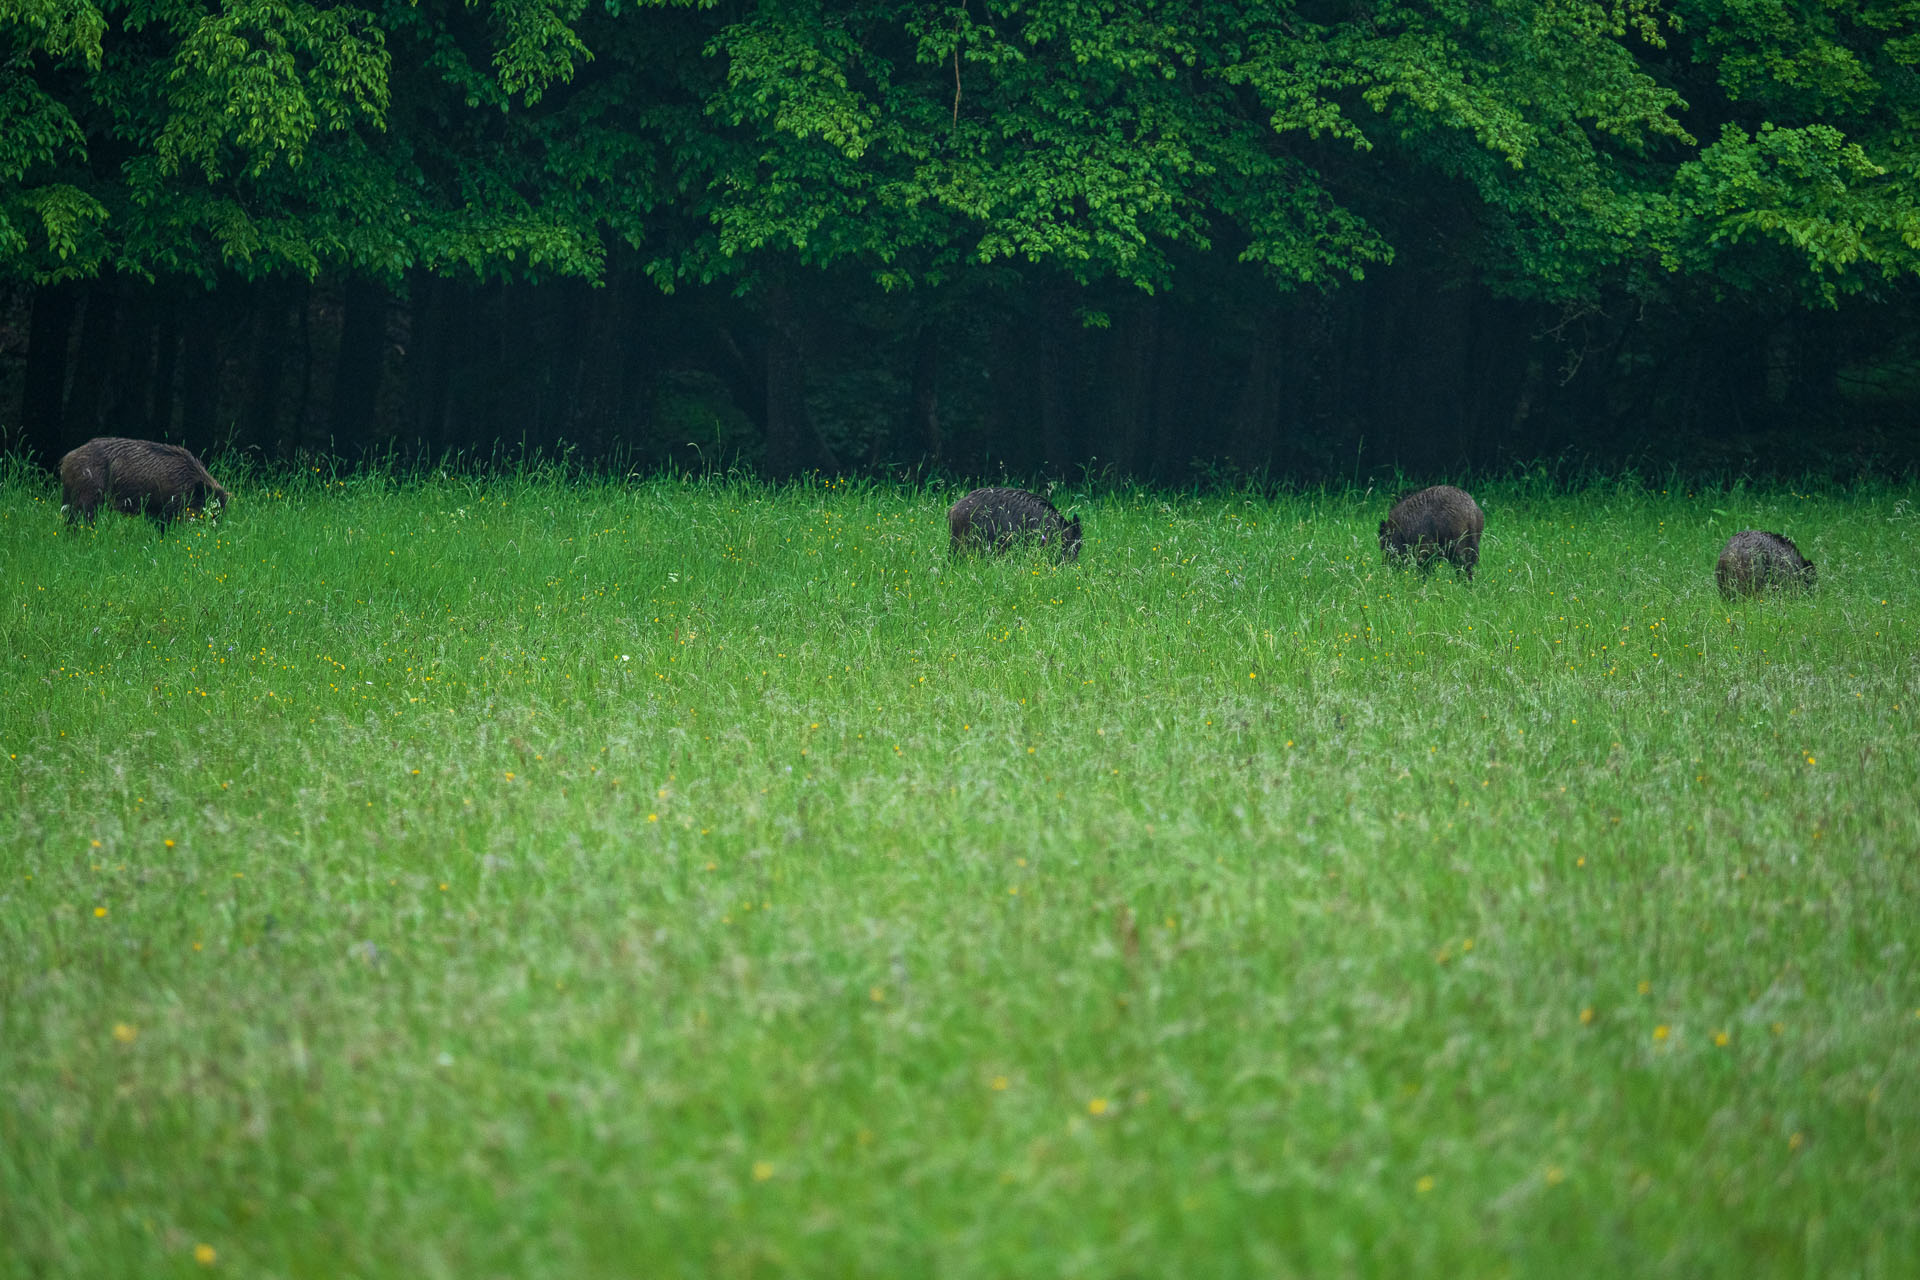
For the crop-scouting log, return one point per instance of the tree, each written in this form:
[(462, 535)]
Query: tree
[(1596, 171)]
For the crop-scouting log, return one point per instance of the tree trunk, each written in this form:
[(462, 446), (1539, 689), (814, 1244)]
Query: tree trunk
[(600, 354), (1174, 409), (470, 414), (923, 407), (1438, 361), (166, 365), (1780, 352), (545, 316), (128, 393), (200, 372), (260, 416), (306, 428), (1385, 396), (356, 374), (1056, 398), (425, 360), (793, 442), (786, 404), (1010, 443), (1130, 380), (93, 371), (43, 391), (1494, 359), (1256, 409)]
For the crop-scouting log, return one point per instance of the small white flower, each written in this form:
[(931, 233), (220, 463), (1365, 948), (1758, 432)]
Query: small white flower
[(624, 658)]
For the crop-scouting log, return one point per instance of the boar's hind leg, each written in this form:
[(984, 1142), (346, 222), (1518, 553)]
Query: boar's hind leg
[(1469, 558)]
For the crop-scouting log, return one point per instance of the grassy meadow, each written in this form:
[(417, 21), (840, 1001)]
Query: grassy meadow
[(515, 877)]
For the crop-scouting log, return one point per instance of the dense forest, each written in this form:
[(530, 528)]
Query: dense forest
[(1165, 240)]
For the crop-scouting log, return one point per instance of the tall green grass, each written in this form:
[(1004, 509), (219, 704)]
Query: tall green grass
[(468, 877)]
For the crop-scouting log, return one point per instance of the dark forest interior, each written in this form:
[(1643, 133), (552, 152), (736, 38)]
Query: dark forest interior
[(1169, 242), (1176, 388)]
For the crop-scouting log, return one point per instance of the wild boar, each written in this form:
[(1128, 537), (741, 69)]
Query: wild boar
[(1430, 524), (162, 481), (996, 518), (1754, 562)]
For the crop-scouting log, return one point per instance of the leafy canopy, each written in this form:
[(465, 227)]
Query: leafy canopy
[(1563, 146)]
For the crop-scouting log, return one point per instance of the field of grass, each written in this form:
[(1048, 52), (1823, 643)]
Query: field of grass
[(478, 878)]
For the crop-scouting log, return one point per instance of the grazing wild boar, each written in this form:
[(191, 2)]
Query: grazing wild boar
[(163, 481), (994, 519), (1754, 562), (1429, 524)]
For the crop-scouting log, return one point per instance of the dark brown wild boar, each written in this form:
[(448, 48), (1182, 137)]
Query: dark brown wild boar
[(1754, 562), (1430, 524), (994, 519), (162, 481)]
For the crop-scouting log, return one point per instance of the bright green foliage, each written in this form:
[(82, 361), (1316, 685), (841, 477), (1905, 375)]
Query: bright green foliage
[(1809, 191), (1558, 149), (1531, 106), (262, 136), (262, 80), (577, 879), (1099, 139), (1092, 139), (537, 46), (1814, 178), (38, 134), (60, 28)]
